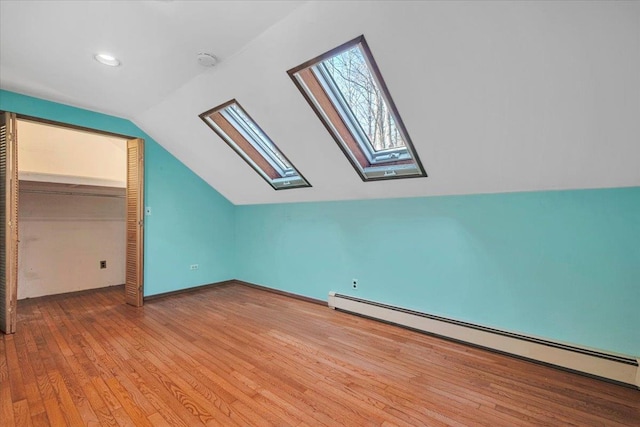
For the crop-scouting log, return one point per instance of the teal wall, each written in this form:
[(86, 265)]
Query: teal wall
[(193, 226), (564, 265)]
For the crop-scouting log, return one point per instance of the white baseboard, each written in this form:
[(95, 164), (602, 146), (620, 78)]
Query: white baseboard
[(620, 368)]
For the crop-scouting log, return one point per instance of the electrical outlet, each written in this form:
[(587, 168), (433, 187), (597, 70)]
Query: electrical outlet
[(193, 267), (103, 264), (354, 283)]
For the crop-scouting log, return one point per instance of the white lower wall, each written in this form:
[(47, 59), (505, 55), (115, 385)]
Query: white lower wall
[(63, 238)]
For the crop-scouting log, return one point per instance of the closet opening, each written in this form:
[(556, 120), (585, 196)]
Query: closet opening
[(73, 204)]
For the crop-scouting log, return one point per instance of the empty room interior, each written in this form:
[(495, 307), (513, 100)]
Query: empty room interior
[(319, 213)]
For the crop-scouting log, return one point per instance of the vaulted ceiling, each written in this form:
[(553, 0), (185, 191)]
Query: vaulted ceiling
[(496, 96)]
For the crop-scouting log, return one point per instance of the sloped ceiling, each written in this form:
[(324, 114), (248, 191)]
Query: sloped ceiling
[(497, 96)]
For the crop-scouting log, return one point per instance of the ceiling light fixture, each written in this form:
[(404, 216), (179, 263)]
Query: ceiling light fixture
[(106, 59)]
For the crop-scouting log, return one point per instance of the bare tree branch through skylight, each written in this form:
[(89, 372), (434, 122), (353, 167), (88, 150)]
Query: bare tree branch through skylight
[(364, 98)]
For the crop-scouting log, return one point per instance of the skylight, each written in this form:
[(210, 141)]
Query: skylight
[(232, 123), (347, 92)]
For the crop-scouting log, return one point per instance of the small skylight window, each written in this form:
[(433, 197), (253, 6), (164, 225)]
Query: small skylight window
[(347, 92), (232, 123)]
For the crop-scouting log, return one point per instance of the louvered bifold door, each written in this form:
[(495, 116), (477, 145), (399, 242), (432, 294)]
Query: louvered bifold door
[(135, 225), (9, 222)]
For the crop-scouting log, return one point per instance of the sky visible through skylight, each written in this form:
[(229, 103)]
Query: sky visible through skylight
[(362, 95)]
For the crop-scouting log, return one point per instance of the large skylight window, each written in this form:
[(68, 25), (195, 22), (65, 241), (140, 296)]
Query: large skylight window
[(232, 123), (347, 92)]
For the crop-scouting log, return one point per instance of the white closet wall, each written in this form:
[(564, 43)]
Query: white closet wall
[(54, 154), (64, 237), (71, 210)]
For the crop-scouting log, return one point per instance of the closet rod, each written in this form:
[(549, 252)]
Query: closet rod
[(71, 193)]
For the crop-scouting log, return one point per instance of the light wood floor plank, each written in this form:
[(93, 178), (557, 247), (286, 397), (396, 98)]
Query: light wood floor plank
[(235, 355)]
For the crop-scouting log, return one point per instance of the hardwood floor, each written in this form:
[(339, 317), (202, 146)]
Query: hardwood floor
[(233, 355)]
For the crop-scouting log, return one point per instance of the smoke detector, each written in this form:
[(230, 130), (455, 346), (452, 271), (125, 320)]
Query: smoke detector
[(207, 60)]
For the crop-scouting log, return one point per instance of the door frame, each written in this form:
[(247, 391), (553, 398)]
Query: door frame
[(9, 224), (138, 281)]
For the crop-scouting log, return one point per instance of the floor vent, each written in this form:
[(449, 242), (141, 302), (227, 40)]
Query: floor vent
[(609, 366)]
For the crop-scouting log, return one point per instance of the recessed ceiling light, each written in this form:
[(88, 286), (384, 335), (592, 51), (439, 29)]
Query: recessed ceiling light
[(106, 59)]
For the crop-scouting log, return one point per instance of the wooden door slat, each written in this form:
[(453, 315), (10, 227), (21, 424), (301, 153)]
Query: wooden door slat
[(135, 225)]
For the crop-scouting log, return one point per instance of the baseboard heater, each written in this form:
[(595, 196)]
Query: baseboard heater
[(618, 368)]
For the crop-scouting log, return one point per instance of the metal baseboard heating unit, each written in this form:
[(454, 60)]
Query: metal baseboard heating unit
[(614, 367)]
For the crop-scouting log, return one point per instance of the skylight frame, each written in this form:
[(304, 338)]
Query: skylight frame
[(382, 164), (289, 176), (262, 142)]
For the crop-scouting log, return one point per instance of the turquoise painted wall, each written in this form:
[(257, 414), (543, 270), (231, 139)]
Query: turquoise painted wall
[(193, 226), (564, 265)]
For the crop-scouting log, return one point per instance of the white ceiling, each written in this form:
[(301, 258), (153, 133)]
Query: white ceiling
[(48, 46), (496, 96)]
